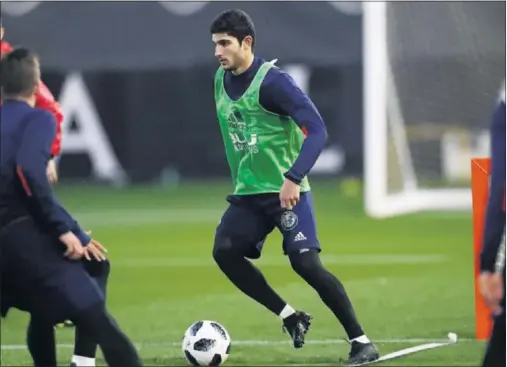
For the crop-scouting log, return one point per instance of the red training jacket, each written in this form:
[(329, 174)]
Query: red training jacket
[(46, 101)]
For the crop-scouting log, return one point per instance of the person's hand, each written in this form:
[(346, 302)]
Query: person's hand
[(95, 250), (75, 250), (289, 194), (491, 286), (51, 171)]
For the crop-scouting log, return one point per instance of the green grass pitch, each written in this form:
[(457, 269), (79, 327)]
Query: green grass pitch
[(410, 279)]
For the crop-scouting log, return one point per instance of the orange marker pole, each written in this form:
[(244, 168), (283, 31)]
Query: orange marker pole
[(480, 188)]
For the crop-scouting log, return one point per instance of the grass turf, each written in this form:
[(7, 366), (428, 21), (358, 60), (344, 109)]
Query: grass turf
[(409, 278)]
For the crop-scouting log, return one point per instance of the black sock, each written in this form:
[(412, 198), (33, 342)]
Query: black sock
[(116, 347), (84, 345), (248, 278), (329, 288), (40, 339)]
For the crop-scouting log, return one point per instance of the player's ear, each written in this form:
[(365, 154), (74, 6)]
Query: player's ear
[(247, 42), (33, 92)]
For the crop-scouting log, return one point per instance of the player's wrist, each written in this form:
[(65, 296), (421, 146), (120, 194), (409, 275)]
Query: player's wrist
[(83, 237), (61, 230), (292, 177), (486, 266)]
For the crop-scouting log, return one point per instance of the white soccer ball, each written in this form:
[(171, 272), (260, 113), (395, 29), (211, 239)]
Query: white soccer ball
[(206, 343)]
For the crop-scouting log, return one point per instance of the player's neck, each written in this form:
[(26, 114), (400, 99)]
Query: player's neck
[(28, 100), (248, 62)]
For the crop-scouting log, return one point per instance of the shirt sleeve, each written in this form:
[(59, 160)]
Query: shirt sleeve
[(494, 226), (280, 94), (31, 163)]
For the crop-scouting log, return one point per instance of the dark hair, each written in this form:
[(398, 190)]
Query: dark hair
[(19, 74), (235, 23)]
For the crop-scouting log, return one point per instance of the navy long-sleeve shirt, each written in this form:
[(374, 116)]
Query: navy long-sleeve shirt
[(26, 135), (280, 94), (494, 228)]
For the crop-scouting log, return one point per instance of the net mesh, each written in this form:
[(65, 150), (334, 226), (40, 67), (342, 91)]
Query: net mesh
[(446, 66)]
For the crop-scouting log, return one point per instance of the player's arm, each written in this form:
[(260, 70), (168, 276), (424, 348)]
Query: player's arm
[(46, 101), (280, 94), (495, 213), (31, 161)]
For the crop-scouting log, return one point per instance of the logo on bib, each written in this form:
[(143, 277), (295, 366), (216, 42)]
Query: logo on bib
[(289, 220)]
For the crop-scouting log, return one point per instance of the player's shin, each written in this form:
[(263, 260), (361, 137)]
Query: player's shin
[(85, 347), (40, 340), (330, 289), (116, 347), (246, 277), (308, 265)]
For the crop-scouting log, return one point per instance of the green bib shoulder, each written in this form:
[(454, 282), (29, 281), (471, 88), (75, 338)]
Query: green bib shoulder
[(260, 146)]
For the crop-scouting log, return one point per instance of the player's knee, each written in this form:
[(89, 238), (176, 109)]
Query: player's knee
[(37, 322), (222, 249), (307, 264)]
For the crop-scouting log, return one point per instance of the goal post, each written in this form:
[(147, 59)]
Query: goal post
[(424, 116)]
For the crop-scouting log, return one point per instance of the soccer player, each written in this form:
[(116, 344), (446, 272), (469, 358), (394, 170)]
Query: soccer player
[(84, 348), (37, 277), (492, 262), (264, 118)]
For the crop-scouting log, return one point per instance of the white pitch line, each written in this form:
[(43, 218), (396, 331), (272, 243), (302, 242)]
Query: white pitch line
[(143, 216), (252, 343)]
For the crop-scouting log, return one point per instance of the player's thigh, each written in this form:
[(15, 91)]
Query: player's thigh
[(298, 226), (495, 350), (97, 269), (243, 230), (26, 255), (38, 279)]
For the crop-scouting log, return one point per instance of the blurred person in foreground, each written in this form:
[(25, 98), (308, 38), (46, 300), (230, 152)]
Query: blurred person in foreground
[(273, 135), (85, 349), (41, 244), (492, 258)]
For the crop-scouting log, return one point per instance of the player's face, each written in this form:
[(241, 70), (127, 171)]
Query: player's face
[(229, 52)]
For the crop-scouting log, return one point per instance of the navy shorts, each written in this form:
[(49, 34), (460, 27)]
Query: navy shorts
[(250, 219), (38, 279)]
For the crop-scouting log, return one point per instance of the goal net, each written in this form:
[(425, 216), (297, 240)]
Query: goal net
[(432, 74)]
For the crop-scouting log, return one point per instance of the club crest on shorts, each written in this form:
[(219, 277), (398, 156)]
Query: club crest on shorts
[(289, 220)]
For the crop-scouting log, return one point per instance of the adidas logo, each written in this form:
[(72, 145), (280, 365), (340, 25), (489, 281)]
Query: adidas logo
[(299, 237)]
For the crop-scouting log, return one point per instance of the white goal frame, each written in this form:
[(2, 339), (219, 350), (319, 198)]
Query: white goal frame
[(377, 84)]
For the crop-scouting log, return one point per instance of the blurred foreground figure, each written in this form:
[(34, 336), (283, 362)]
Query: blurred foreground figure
[(85, 349), (41, 244), (492, 261)]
